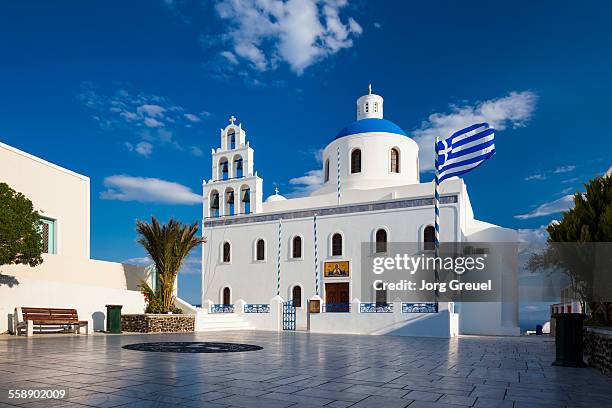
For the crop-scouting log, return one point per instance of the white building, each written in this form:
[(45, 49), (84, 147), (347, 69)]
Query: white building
[(68, 277), (378, 198)]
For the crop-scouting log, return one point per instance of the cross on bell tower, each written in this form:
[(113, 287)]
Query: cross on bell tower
[(232, 119)]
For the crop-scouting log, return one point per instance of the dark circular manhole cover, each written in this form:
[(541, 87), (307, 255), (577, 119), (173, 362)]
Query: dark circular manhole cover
[(192, 347)]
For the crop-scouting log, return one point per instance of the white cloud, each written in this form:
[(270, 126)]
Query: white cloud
[(297, 32), (196, 151), (228, 55), (151, 110), (144, 149), (536, 176), (192, 118), (564, 169), (553, 207), (152, 123), (533, 236), (151, 118), (543, 175), (192, 265), (147, 190), (307, 183), (139, 261), (513, 110)]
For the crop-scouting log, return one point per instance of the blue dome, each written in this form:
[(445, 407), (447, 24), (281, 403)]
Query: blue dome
[(370, 125)]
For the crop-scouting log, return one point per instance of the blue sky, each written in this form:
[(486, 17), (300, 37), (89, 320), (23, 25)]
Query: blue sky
[(133, 94)]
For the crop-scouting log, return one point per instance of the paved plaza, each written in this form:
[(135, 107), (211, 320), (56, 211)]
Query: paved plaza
[(300, 370)]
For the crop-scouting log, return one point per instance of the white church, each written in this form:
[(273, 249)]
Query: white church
[(295, 263)]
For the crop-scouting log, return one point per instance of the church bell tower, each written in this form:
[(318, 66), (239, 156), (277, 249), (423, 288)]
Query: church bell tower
[(234, 189), (370, 106)]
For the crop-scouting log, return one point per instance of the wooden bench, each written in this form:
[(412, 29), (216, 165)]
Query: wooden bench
[(46, 317)]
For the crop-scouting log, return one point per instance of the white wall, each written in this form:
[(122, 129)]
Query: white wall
[(68, 278), (89, 300), (255, 281), (80, 271), (55, 192), (72, 283), (375, 162), (441, 324)]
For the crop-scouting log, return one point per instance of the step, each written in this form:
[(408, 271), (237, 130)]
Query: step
[(221, 321), (224, 326)]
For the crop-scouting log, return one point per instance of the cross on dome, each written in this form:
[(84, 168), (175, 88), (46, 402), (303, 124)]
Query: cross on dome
[(276, 190), (232, 119), (369, 89)]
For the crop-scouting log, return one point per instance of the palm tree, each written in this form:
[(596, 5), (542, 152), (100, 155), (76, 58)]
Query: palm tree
[(168, 245)]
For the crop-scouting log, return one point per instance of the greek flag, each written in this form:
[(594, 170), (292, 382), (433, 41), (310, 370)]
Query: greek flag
[(465, 150)]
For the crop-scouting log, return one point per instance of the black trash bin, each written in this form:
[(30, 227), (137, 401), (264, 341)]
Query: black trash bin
[(113, 319), (568, 339)]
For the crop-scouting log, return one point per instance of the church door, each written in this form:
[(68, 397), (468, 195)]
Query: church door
[(226, 296), (337, 297)]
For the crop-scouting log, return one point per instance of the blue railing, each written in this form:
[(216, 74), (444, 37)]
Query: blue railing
[(374, 307), (429, 307), (256, 308), (336, 308), (221, 308)]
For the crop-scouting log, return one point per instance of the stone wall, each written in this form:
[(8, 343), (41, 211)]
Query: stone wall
[(158, 323), (598, 348)]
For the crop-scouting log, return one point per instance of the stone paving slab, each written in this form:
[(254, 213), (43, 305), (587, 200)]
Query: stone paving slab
[(300, 370)]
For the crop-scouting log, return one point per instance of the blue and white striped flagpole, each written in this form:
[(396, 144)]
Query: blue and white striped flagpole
[(437, 215), (278, 277), (436, 203), (338, 175), (316, 257)]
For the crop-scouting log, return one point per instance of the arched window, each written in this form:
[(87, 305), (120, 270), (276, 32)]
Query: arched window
[(376, 107), (367, 107), (395, 161), (381, 297), (356, 161), (429, 237), (238, 167), (231, 137), (224, 168), (296, 247), (227, 252), (337, 244), (214, 204), (229, 202), (227, 296), (381, 241), (260, 250), (296, 296), (245, 200), (326, 170)]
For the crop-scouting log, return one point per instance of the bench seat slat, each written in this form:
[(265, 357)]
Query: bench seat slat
[(59, 322), (53, 315)]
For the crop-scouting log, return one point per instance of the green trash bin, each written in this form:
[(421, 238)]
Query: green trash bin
[(568, 339), (113, 319)]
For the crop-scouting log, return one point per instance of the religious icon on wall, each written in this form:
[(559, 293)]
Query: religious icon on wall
[(336, 269)]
